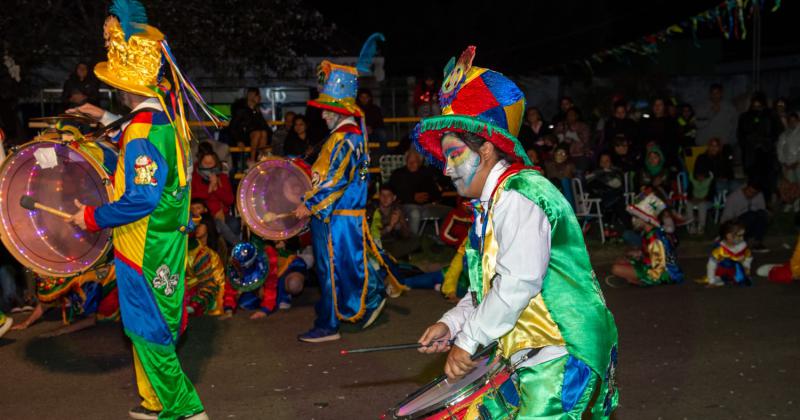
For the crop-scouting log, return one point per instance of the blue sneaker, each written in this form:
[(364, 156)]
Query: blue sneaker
[(371, 317), (319, 335)]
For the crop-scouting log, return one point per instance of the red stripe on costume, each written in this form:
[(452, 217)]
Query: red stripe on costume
[(145, 117), (349, 128), (88, 218), (127, 261), (511, 170), (731, 253)]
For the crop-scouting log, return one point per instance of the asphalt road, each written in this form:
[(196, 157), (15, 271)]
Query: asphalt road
[(685, 353)]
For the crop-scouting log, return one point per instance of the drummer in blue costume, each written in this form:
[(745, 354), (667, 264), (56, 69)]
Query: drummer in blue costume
[(352, 290)]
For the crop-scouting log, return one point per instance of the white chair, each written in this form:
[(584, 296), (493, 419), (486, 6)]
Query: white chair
[(680, 197), (424, 222), (630, 187), (587, 208), (719, 204), (388, 163)]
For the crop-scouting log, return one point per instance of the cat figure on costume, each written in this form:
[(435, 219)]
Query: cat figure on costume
[(532, 289)]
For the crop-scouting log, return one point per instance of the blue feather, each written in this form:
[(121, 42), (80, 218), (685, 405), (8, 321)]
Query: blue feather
[(368, 51), (131, 15)]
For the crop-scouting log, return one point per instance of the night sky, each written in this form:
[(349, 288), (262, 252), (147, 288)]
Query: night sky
[(520, 36)]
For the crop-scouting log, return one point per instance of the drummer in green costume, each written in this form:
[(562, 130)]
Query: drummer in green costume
[(532, 287)]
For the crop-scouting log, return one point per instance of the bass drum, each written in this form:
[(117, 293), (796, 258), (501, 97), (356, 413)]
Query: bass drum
[(267, 195), (55, 174)]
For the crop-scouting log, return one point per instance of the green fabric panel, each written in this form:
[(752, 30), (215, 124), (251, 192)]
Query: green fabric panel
[(472, 257), (174, 390), (165, 244), (570, 288)]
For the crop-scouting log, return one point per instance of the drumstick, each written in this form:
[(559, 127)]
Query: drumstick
[(271, 217), (30, 203), (392, 347)]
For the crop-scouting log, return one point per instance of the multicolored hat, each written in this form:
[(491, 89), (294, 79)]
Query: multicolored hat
[(474, 100), (248, 268), (339, 84), (648, 207)]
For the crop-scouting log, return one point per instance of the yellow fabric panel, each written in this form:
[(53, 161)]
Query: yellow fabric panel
[(450, 282), (690, 160), (514, 113), (535, 327), (794, 263), (149, 398), (658, 259)]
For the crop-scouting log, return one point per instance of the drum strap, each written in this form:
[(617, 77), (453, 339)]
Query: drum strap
[(118, 123)]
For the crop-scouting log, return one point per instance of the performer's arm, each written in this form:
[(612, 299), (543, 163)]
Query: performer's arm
[(320, 199), (141, 194), (523, 233)]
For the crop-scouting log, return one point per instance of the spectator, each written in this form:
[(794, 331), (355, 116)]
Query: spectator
[(700, 187), (687, 127), (533, 128), (389, 226), (576, 134), (757, 133), (715, 118), (546, 146), (789, 157), (608, 183), (662, 130), (213, 186), (622, 156), (618, 125), (279, 138), (561, 170), (297, 142), (426, 97), (416, 187), (564, 105), (212, 146), (80, 87), (247, 126), (718, 160), (373, 116), (780, 112), (655, 174), (747, 206)]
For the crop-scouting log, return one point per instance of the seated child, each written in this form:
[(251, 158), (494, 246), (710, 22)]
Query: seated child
[(84, 299), (656, 263), (699, 198), (730, 259), (265, 276), (389, 226), (205, 274)]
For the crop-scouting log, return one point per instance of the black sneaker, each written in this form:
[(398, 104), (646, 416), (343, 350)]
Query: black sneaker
[(141, 413)]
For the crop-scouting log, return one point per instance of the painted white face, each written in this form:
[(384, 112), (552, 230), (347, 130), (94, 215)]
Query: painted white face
[(331, 118), (461, 163)]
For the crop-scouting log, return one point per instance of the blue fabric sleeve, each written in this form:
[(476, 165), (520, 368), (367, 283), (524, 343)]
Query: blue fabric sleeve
[(142, 194)]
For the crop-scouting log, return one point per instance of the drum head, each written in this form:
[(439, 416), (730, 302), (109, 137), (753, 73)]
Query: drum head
[(438, 394), (268, 193), (55, 175)]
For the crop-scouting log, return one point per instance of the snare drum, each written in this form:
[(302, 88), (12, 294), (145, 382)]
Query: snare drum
[(54, 173), (463, 399), (269, 192)]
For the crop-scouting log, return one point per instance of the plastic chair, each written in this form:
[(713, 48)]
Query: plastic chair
[(630, 187), (587, 208), (719, 204), (680, 197), (388, 163)]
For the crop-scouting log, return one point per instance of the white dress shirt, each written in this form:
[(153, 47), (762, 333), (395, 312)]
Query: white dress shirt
[(522, 232)]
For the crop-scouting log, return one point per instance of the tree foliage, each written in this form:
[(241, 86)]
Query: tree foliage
[(223, 37)]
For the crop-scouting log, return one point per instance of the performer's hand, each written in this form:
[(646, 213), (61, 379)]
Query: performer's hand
[(436, 339), (459, 363), (89, 110), (77, 218), (302, 211)]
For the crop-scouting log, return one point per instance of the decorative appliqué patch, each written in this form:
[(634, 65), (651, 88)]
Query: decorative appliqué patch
[(165, 280), (611, 380), (315, 179), (145, 170)]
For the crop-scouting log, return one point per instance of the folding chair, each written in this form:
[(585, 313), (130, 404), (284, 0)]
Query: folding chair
[(587, 208)]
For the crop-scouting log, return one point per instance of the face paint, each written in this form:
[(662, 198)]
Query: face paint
[(461, 163)]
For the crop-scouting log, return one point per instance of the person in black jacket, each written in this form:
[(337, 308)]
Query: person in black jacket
[(757, 132), (247, 126), (417, 190), (80, 87)]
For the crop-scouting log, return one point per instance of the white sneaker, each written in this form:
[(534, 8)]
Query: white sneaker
[(199, 416), (284, 306)]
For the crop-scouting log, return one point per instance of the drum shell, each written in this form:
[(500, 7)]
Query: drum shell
[(45, 243)]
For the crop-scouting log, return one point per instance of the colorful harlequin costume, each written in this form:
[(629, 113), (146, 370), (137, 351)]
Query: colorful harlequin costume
[(658, 263), (532, 286), (350, 287), (457, 224), (90, 293), (5, 321), (149, 213), (789, 271), (259, 270), (729, 264), (205, 280)]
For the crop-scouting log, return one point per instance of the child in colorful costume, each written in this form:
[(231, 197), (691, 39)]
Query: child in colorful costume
[(149, 213), (730, 259), (657, 262), (5, 323), (532, 287), (783, 273), (351, 289), (205, 281)]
